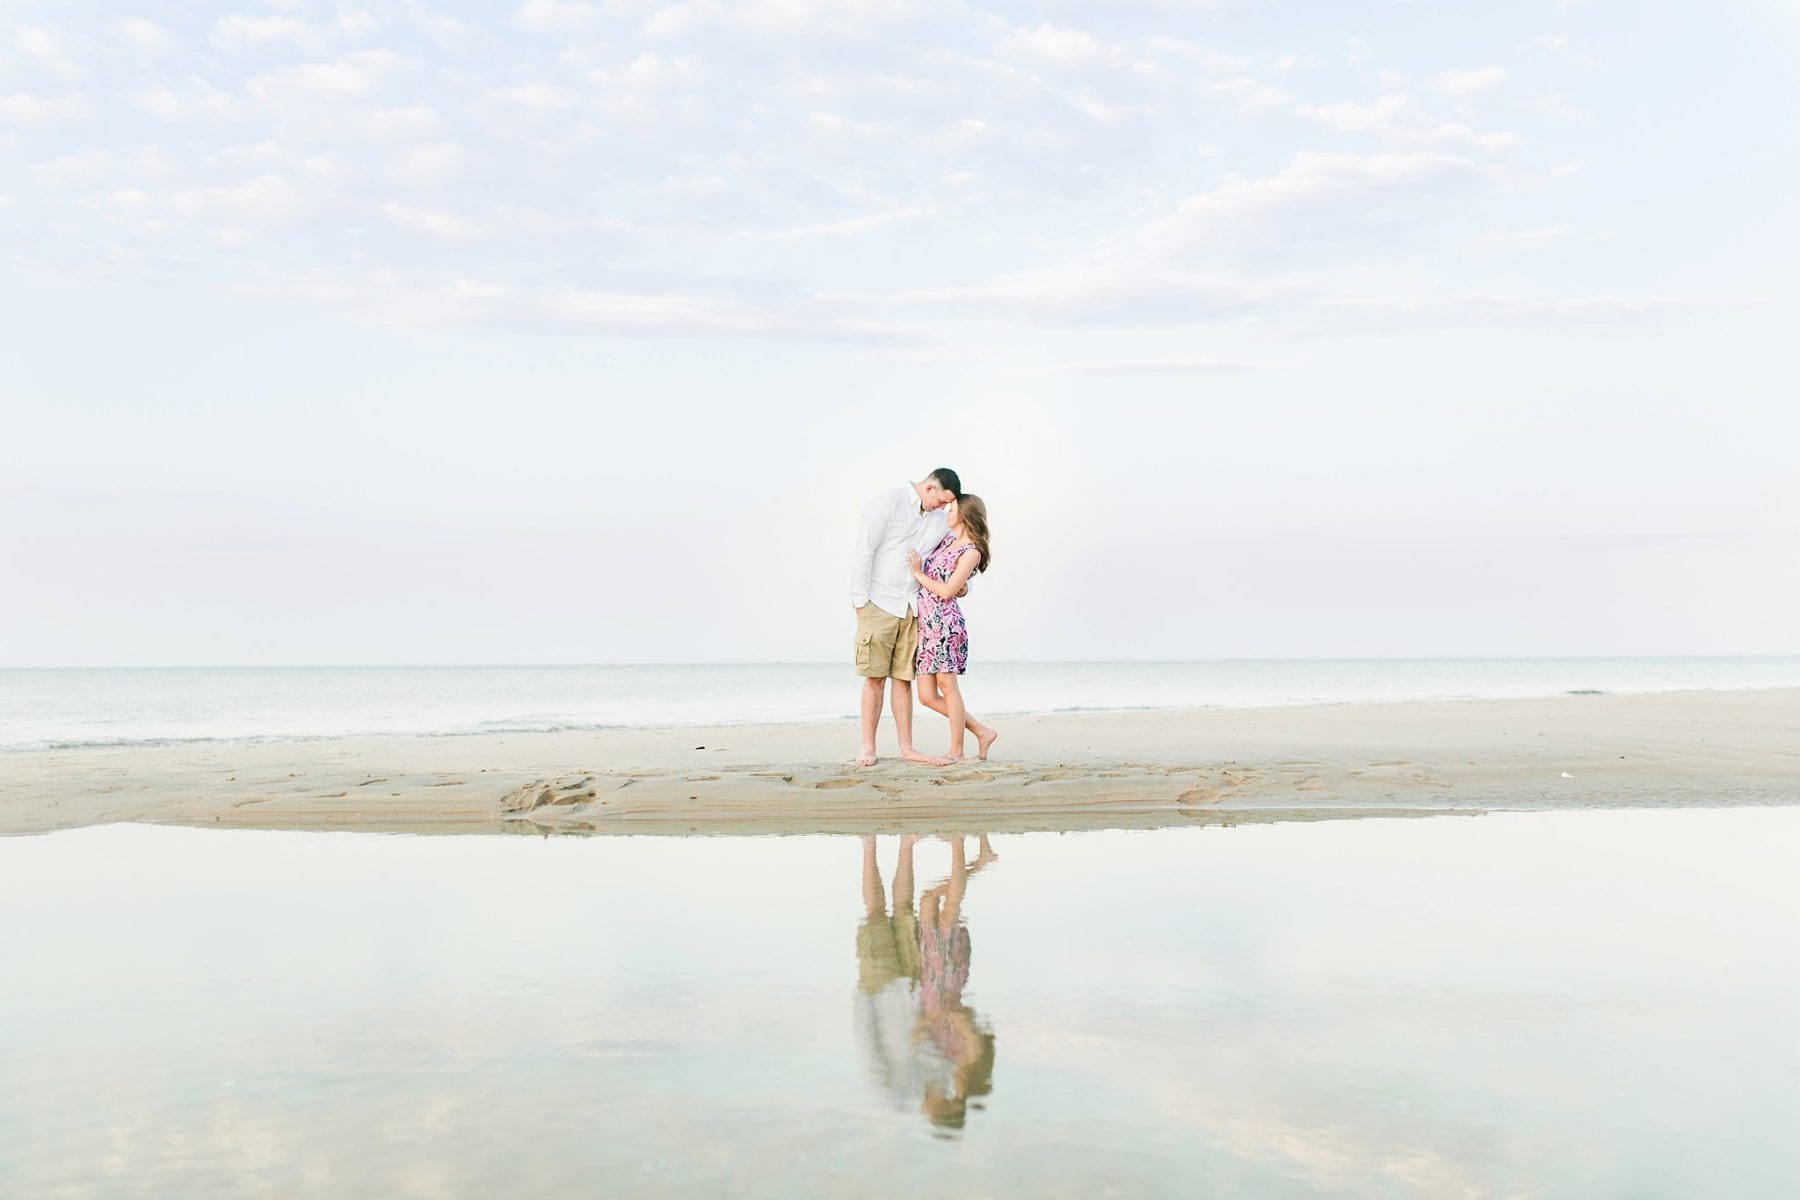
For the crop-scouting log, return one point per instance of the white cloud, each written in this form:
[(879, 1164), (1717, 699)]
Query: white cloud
[(645, 311), (1355, 118), (835, 16), (351, 78), (430, 163), (130, 199), (1557, 47), (264, 199), (87, 166), (540, 96), (203, 101), (646, 72), (1504, 239), (679, 20), (1552, 105), (437, 224), (1466, 85), (1158, 366), (46, 46), (1245, 92), (143, 37), (835, 125), (556, 16), (238, 30), (23, 109), (412, 120), (1394, 118), (1311, 177), (161, 102), (847, 227), (1058, 47)]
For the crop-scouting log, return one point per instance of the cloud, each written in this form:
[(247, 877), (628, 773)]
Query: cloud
[(167, 105), (1394, 118), (1501, 239), (411, 120), (1557, 47), (556, 16), (238, 30), (1159, 366), (1355, 118), (830, 229), (539, 96), (437, 224), (87, 166), (142, 37), (354, 77), (431, 163), (1311, 177), (264, 199), (678, 20), (1464, 86), (1056, 47), (23, 109)]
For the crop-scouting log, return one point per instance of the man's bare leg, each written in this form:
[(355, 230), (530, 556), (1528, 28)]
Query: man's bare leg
[(871, 718), (902, 706), (873, 900), (903, 875)]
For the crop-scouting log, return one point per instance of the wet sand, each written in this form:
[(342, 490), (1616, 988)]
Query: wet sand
[(1078, 771)]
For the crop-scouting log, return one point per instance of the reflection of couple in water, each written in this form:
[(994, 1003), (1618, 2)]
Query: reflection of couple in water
[(925, 1046)]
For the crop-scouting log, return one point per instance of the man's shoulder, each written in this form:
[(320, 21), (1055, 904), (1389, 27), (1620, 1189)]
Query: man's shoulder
[(893, 496)]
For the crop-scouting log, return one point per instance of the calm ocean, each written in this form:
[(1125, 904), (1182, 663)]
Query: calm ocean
[(61, 709)]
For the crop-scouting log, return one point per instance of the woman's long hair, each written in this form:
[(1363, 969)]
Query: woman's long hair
[(974, 522)]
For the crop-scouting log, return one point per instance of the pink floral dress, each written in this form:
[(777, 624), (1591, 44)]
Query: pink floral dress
[(943, 634)]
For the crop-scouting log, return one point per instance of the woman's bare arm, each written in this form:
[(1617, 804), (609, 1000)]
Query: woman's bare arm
[(951, 588)]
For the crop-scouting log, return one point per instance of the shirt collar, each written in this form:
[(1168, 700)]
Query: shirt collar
[(913, 493)]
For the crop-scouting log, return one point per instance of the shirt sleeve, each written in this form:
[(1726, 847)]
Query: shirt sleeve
[(868, 541)]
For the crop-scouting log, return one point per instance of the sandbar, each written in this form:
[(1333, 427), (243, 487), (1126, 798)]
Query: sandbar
[(1053, 772)]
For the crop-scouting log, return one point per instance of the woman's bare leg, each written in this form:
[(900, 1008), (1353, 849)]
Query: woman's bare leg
[(953, 712), (939, 702)]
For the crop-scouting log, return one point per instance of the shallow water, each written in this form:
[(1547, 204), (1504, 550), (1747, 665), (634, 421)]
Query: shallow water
[(45, 709), (1509, 1005)]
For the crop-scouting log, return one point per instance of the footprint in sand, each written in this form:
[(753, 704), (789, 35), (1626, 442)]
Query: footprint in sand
[(830, 785)]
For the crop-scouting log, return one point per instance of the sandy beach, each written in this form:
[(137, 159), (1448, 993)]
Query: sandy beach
[(1114, 770)]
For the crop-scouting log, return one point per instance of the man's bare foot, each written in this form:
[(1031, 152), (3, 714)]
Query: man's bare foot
[(982, 743), (866, 758), (950, 760), (912, 755)]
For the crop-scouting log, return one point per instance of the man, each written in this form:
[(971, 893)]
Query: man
[(897, 522)]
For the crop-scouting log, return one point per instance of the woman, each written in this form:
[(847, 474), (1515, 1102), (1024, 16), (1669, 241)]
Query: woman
[(943, 636)]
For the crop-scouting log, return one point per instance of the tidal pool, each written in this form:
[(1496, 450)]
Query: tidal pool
[(1594, 1004)]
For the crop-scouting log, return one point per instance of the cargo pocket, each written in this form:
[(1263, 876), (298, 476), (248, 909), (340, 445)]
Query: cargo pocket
[(865, 651)]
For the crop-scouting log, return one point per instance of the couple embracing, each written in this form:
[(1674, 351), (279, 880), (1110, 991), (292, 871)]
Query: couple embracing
[(916, 550)]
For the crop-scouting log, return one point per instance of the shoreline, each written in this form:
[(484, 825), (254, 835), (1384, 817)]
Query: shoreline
[(1190, 710), (1067, 771)]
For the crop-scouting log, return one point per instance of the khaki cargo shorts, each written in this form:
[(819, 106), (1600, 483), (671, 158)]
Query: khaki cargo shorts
[(885, 644)]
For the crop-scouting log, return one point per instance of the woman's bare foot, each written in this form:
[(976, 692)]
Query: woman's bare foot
[(983, 741), (950, 760), (911, 755)]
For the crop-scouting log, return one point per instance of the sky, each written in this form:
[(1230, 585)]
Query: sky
[(573, 331)]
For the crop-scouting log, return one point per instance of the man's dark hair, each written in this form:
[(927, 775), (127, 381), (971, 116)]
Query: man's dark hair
[(947, 479)]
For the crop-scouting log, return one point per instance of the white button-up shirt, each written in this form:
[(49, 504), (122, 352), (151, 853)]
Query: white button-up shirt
[(893, 523)]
